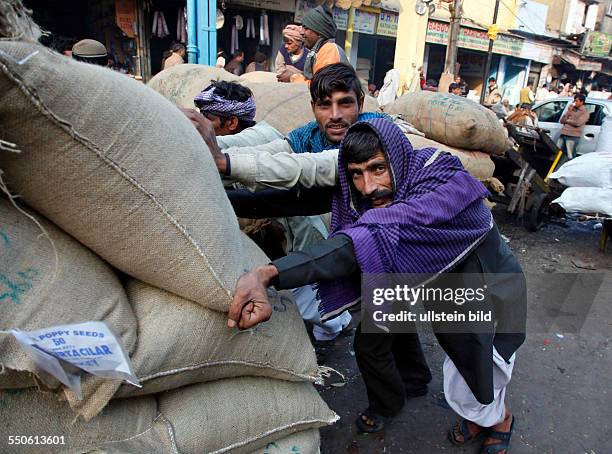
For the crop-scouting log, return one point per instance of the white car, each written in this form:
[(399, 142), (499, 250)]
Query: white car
[(550, 111)]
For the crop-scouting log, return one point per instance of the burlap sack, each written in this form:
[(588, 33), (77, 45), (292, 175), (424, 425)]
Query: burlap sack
[(478, 164), (39, 289), (305, 442), (28, 412), (284, 106), (453, 120), (180, 343), (259, 77), (119, 168), (181, 83), (240, 415)]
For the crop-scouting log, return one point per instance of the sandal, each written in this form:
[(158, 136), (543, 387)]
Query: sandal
[(468, 437), (504, 437), (378, 420)]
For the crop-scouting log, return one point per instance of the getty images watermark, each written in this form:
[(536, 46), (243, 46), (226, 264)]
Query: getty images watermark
[(484, 303)]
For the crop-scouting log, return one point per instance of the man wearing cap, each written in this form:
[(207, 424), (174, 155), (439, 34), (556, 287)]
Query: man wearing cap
[(319, 33), (90, 51)]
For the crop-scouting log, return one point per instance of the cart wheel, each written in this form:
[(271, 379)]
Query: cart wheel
[(537, 212)]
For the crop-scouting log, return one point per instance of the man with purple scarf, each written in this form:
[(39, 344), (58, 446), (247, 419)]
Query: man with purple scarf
[(415, 212)]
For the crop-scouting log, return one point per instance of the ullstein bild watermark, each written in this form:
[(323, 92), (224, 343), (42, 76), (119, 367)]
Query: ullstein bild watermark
[(481, 303)]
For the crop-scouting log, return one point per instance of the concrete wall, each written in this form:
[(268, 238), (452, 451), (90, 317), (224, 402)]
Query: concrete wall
[(481, 12)]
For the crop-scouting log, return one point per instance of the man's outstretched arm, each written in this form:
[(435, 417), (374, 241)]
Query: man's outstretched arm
[(328, 260), (280, 203)]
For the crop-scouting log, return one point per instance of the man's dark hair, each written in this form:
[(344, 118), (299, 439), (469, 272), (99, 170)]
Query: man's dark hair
[(492, 79), (453, 86), (580, 97), (232, 91), (237, 53), (335, 77), (360, 144), (260, 57), (177, 47)]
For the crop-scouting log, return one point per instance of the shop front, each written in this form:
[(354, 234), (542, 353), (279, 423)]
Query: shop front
[(506, 66)]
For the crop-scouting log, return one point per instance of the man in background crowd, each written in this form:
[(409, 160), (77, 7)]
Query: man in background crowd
[(462, 85), (292, 54), (455, 89), (319, 33), (526, 95), (493, 95), (176, 57), (235, 64), (90, 51), (573, 123)]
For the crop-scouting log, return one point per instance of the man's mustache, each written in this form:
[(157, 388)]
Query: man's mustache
[(380, 193), (342, 124)]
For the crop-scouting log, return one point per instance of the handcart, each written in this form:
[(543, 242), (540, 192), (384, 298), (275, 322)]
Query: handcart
[(524, 172)]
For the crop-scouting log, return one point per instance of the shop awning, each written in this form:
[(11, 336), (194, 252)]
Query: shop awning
[(581, 63)]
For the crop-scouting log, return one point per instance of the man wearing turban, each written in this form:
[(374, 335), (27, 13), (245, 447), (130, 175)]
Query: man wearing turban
[(291, 55)]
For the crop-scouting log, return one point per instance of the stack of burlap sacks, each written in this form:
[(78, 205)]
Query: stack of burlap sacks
[(455, 124), (122, 218), (451, 123)]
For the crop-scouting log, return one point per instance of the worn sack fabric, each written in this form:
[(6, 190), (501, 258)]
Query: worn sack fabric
[(181, 83), (40, 289), (259, 77), (478, 164), (452, 120), (305, 442), (180, 343), (119, 168), (239, 415), (33, 413)]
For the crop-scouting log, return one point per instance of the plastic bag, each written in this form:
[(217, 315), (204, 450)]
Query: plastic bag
[(592, 170)]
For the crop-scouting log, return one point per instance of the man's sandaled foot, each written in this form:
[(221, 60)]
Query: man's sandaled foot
[(497, 442), (465, 432), (370, 422)]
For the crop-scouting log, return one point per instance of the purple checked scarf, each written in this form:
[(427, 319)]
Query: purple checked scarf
[(436, 218), (208, 102)]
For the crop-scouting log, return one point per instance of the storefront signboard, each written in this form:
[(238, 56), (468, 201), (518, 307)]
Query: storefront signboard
[(274, 5), (473, 39), (598, 44), (387, 24), (125, 16), (365, 22)]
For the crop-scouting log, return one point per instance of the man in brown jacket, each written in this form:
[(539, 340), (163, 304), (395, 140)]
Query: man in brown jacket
[(493, 95), (573, 123)]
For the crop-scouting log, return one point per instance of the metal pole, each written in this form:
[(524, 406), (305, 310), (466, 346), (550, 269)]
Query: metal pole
[(487, 69), (348, 41), (453, 38), (192, 30)]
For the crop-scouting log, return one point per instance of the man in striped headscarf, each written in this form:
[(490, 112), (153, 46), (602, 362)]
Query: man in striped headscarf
[(417, 213)]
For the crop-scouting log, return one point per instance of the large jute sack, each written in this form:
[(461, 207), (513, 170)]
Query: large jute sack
[(305, 442), (180, 343), (240, 415), (34, 414), (259, 77), (49, 279), (452, 120), (180, 83), (478, 164), (119, 168)]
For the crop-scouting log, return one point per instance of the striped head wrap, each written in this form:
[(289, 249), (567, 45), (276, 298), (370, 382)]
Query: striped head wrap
[(209, 102)]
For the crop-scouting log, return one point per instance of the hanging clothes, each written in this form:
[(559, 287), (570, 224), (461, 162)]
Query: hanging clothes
[(250, 28), (264, 30), (181, 25), (159, 27)]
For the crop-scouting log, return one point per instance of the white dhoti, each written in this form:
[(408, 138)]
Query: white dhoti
[(462, 400), (308, 305)]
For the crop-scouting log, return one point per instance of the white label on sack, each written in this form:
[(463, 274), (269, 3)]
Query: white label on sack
[(89, 346)]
